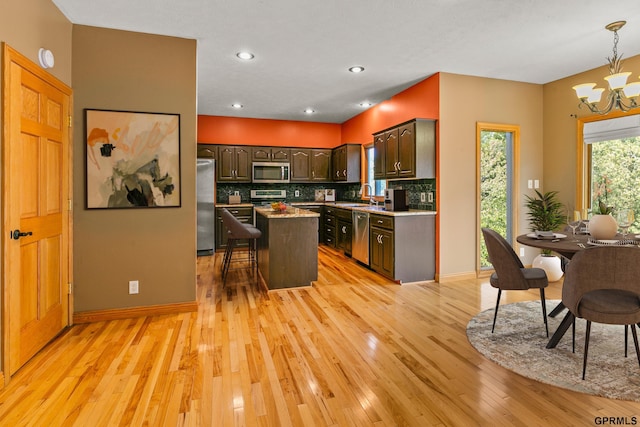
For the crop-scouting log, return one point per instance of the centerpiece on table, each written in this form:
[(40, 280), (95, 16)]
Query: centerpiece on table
[(602, 224), (546, 216)]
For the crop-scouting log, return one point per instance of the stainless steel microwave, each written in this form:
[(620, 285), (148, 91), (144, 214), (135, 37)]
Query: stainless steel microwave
[(270, 172)]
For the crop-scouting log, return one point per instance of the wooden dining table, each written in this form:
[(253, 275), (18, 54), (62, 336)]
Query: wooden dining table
[(566, 247)]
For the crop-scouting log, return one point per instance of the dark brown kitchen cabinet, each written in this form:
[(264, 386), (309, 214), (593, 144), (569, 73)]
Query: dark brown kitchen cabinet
[(329, 236), (270, 154), (344, 230), (310, 165), (378, 157), (244, 214), (346, 163), (320, 164), (402, 248), (207, 151), (381, 245), (406, 151), (233, 164), (300, 165)]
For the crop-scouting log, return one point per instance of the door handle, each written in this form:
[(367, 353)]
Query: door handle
[(16, 234)]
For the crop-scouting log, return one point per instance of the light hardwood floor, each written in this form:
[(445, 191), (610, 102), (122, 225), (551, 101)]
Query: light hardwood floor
[(353, 350)]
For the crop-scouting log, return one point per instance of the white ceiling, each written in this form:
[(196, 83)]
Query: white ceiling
[(303, 48)]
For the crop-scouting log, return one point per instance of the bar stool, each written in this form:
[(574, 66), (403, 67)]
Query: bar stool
[(237, 231)]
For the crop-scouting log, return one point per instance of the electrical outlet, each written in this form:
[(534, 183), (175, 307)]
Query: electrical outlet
[(536, 184), (133, 286), (430, 198), (297, 193), (423, 197), (530, 184), (521, 251), (236, 193)]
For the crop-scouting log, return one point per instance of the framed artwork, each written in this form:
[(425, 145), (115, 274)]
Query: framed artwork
[(133, 159)]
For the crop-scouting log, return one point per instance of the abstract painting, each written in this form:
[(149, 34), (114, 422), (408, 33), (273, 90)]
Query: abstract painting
[(133, 159)]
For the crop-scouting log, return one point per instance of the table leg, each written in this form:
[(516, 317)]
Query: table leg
[(557, 309), (562, 328)]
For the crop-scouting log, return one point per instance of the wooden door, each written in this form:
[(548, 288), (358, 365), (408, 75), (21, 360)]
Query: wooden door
[(407, 150), (36, 199), (225, 165)]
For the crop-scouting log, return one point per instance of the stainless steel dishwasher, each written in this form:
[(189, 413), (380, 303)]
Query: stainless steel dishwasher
[(360, 237)]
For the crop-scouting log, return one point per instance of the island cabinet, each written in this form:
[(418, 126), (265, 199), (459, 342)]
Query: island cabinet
[(233, 164), (344, 230), (406, 151), (317, 209), (346, 163), (310, 165), (288, 247), (243, 213), (402, 248), (270, 154)]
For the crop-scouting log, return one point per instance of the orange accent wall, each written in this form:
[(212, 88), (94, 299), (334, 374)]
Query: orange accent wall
[(278, 133), (421, 100)]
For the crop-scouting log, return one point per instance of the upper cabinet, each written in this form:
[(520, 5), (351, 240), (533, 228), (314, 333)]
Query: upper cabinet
[(233, 163), (207, 151), (310, 164), (270, 154), (406, 151), (346, 163), (320, 164)]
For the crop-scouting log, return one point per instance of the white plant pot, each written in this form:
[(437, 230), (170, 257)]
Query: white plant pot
[(550, 264)]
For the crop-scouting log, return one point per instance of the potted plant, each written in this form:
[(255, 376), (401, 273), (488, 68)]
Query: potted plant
[(602, 225), (546, 214)]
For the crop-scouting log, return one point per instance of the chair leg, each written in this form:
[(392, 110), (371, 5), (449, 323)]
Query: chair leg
[(543, 301), (635, 342), (626, 339), (586, 348), (495, 315), (230, 245), (573, 335)]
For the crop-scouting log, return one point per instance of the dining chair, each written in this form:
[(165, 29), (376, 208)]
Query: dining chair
[(510, 274), (601, 285), (236, 231)]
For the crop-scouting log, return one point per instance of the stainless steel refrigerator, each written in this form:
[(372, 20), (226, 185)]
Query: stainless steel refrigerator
[(205, 198)]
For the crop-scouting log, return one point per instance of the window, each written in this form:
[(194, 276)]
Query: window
[(378, 185), (497, 147), (612, 152)]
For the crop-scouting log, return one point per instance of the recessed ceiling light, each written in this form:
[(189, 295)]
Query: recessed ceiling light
[(356, 69), (309, 110), (366, 104), (245, 55), (236, 105)]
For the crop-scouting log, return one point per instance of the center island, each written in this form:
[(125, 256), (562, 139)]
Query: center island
[(288, 247)]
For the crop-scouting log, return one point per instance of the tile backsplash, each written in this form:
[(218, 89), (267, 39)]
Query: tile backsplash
[(344, 192)]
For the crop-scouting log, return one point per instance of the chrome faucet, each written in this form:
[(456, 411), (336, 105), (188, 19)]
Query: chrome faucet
[(372, 201)]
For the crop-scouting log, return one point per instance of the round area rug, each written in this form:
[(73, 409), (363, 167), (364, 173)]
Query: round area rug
[(519, 344)]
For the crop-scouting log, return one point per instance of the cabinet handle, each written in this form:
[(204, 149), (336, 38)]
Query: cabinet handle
[(344, 172), (399, 168), (344, 229), (338, 174), (313, 174), (380, 221)]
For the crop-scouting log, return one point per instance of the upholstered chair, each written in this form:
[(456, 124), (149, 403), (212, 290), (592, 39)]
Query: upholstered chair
[(510, 274), (602, 284), (236, 231)]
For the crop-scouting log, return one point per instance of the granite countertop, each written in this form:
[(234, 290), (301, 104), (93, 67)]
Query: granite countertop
[(289, 213), (363, 207)]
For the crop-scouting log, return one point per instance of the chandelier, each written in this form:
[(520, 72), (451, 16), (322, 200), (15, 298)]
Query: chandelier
[(621, 95)]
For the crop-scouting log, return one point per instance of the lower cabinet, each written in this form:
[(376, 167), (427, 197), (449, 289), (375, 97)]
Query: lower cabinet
[(344, 230), (329, 223), (244, 214), (402, 248), (317, 209)]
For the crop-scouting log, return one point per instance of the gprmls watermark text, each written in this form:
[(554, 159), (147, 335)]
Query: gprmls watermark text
[(616, 421)]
